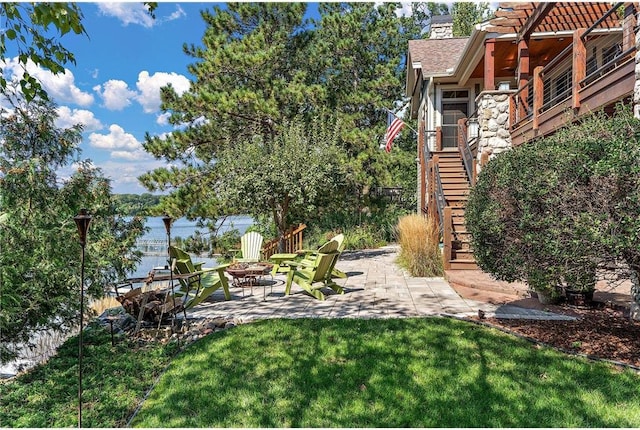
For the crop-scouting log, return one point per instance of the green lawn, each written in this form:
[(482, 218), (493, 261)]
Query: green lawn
[(432, 372)]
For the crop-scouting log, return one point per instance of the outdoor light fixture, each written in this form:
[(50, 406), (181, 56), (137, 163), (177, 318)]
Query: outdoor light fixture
[(166, 219), (504, 86), (473, 128), (82, 222)]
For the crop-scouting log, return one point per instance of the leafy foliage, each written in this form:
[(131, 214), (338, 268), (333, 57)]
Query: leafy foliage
[(136, 204), (466, 15), (552, 211), (27, 26), (263, 71), (39, 252)]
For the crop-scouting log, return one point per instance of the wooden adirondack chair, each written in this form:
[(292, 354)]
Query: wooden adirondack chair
[(312, 275), (203, 283), (250, 247), (310, 256)]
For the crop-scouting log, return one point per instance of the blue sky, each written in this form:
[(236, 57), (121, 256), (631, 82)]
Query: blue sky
[(113, 89)]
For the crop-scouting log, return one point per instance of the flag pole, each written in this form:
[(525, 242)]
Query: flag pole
[(405, 123)]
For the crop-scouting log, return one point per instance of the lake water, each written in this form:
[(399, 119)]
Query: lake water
[(182, 228)]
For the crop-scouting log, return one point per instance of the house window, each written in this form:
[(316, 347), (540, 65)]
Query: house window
[(455, 105)]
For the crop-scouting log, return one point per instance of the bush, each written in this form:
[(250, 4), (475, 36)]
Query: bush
[(550, 212), (419, 246)]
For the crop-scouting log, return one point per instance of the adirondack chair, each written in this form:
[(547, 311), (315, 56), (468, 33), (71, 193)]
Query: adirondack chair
[(250, 247), (312, 275), (310, 255), (203, 283)]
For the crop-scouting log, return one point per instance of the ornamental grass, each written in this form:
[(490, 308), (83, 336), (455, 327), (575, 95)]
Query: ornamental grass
[(419, 240)]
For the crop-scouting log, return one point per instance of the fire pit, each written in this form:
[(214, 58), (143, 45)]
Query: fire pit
[(248, 274)]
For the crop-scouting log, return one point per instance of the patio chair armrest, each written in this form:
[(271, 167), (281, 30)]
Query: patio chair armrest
[(297, 264)]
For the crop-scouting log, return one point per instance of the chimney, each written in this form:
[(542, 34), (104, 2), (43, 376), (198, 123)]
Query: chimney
[(441, 27)]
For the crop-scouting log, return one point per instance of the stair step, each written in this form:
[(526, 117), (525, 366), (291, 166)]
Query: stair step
[(451, 169), (456, 192), (453, 174), (455, 186), (460, 179), (454, 153), (462, 265), (462, 254)]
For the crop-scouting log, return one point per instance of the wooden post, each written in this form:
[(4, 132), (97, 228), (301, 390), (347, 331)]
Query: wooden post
[(423, 172), (438, 138), (579, 65), (446, 237), (484, 159), (628, 24), (462, 133), (523, 76), (489, 65), (421, 166), (513, 108), (433, 210), (538, 96)]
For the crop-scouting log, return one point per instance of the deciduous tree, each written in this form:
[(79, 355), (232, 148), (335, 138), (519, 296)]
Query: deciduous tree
[(39, 249)]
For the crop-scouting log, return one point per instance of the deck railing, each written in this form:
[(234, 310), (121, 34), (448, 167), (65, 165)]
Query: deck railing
[(593, 54), (292, 242)]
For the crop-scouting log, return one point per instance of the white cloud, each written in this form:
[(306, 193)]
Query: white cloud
[(115, 94), (149, 88), (69, 117), (130, 155), (60, 87), (163, 119), (127, 13), (124, 174), (117, 139), (137, 13), (179, 13)]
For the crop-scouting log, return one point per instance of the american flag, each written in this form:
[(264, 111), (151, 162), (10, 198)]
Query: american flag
[(394, 125)]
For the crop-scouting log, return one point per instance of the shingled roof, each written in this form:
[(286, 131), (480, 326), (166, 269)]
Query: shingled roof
[(436, 56)]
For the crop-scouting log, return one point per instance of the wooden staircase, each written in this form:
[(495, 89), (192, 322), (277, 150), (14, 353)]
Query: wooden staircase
[(458, 254)]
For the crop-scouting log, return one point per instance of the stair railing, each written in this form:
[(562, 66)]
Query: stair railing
[(464, 147), (447, 236), (440, 201)]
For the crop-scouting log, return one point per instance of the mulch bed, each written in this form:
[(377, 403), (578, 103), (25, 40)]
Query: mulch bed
[(601, 332)]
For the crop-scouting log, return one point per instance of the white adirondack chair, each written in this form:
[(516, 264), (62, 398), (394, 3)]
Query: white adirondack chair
[(250, 247)]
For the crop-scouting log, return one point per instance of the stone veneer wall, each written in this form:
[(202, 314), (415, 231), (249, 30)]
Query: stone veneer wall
[(493, 121), (443, 30)]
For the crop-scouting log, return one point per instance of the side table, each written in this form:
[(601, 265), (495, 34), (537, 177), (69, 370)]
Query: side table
[(278, 262)]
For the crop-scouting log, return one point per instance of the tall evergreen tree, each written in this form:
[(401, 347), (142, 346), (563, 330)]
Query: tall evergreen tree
[(248, 83), (262, 67), (466, 15)]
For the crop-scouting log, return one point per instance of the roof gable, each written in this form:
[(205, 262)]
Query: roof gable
[(436, 56)]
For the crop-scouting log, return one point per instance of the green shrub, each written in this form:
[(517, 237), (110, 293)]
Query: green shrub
[(420, 254), (365, 236), (551, 212)]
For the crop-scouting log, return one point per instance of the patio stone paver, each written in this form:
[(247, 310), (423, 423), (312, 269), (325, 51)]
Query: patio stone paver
[(375, 288)]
